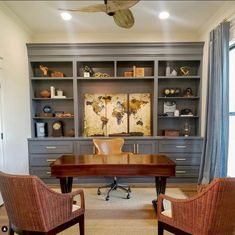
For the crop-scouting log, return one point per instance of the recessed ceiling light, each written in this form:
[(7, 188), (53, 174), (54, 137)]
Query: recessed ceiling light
[(164, 15), (66, 16)]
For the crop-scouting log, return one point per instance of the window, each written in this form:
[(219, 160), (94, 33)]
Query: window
[(231, 154)]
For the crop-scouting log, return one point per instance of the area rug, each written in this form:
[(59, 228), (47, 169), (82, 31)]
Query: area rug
[(121, 216)]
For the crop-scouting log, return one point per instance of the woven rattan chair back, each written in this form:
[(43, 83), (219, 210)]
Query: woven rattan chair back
[(32, 206), (211, 212)]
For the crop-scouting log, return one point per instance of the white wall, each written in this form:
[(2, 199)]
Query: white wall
[(15, 88)]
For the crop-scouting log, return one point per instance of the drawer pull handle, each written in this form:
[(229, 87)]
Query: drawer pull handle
[(137, 148), (180, 146), (180, 159), (48, 172), (180, 172), (50, 160), (50, 147)]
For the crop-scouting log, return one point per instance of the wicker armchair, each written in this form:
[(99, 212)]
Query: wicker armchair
[(111, 146), (33, 208), (211, 212)]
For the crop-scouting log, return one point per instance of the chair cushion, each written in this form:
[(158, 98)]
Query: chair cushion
[(167, 213), (75, 207)]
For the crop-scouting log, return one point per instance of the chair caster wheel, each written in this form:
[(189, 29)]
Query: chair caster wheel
[(98, 192), (107, 198), (128, 196)]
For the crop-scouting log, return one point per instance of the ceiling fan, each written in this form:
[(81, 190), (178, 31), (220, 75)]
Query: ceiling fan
[(119, 10)]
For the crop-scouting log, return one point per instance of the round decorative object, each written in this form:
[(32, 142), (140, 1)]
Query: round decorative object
[(45, 93), (166, 91), (47, 109)]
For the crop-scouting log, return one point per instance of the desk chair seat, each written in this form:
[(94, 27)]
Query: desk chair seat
[(211, 212), (111, 146), (33, 208)]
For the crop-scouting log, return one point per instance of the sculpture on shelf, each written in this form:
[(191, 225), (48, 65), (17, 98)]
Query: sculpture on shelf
[(44, 70), (188, 92), (184, 71)]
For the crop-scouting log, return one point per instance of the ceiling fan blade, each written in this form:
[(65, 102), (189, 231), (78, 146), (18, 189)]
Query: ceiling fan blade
[(91, 8), (124, 18), (113, 5)]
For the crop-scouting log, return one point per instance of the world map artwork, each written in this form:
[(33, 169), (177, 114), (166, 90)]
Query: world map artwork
[(107, 114)]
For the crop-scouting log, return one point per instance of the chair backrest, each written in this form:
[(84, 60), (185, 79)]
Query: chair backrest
[(109, 146), (218, 215), (25, 202)]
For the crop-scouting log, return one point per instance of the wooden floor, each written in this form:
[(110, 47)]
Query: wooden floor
[(188, 189)]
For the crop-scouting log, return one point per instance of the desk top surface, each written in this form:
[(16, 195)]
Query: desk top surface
[(113, 165), (120, 159)]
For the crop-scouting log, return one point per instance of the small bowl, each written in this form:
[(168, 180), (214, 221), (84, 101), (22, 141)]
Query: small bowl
[(45, 94)]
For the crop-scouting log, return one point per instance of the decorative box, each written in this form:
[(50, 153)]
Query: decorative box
[(170, 132), (128, 74), (57, 74), (139, 72)]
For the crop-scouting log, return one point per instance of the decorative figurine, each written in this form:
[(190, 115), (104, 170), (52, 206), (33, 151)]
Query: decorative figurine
[(44, 70), (184, 71), (188, 92), (173, 73)]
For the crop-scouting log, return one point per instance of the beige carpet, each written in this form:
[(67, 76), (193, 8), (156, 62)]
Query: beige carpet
[(119, 216)]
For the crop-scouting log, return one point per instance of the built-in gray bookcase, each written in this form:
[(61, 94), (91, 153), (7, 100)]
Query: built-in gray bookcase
[(162, 66), (169, 72)]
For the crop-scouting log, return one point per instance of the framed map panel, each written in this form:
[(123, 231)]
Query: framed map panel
[(95, 115), (116, 112), (140, 113)]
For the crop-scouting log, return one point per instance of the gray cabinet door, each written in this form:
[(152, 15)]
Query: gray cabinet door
[(84, 147), (140, 146)]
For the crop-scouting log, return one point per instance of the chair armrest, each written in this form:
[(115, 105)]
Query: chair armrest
[(58, 206), (75, 193), (185, 212), (160, 199)]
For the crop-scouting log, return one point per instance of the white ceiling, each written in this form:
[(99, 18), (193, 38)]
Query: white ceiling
[(186, 16)]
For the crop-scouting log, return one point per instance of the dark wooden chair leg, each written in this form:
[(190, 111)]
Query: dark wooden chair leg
[(81, 225), (10, 231), (160, 228)]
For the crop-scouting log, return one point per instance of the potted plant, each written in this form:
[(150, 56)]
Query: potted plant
[(87, 71)]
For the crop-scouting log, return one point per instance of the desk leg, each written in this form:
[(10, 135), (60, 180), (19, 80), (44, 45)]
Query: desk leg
[(66, 184), (160, 183)]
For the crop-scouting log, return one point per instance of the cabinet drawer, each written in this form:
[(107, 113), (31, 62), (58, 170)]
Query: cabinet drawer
[(187, 171), (41, 172), (51, 147), (182, 159), (42, 159), (180, 146)]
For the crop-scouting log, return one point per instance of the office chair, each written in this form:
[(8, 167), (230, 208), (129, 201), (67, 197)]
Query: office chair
[(111, 146), (212, 211), (33, 208)]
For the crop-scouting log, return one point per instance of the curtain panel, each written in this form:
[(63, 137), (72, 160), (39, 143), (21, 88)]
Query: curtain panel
[(215, 147)]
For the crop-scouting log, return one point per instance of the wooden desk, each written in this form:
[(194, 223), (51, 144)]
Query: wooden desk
[(68, 166)]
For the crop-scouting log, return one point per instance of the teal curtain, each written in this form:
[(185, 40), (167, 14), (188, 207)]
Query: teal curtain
[(215, 146)]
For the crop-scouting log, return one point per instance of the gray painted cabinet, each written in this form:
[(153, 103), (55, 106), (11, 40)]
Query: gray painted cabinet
[(186, 153), (167, 66)]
